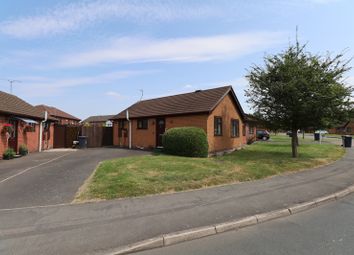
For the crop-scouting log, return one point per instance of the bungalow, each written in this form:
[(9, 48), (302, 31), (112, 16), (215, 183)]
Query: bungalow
[(217, 111), (99, 120), (347, 128), (58, 115), (251, 128), (20, 125)]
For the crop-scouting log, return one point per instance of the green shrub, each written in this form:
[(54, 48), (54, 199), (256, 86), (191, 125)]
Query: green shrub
[(9, 154), (186, 141), (23, 150)]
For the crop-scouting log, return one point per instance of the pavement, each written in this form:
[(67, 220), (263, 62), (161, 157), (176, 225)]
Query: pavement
[(323, 230), (48, 178), (99, 228)]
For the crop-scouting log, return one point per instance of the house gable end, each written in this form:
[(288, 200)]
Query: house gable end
[(237, 104)]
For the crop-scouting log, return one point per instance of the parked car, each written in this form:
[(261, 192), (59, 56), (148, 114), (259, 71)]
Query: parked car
[(262, 134), (290, 133)]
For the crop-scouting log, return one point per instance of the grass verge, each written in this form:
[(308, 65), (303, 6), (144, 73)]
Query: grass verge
[(152, 174)]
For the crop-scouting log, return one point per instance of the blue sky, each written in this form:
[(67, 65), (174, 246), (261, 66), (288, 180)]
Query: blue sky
[(93, 57)]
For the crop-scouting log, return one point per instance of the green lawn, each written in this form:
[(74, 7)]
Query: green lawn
[(143, 175)]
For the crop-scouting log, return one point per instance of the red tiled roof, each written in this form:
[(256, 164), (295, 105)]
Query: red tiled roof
[(98, 118), (200, 101), (14, 105), (55, 112)]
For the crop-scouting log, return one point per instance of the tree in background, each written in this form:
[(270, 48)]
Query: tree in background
[(298, 90)]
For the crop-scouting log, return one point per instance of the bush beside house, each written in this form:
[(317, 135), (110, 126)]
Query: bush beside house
[(9, 153), (23, 150), (186, 141)]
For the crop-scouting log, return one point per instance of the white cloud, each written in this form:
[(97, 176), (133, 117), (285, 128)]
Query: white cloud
[(187, 49), (114, 94), (188, 86), (70, 17), (41, 86)]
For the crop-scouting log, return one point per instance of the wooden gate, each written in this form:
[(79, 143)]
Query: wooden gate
[(59, 136), (98, 136), (65, 135)]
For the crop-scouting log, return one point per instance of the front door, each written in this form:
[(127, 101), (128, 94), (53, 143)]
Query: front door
[(14, 135), (160, 130)]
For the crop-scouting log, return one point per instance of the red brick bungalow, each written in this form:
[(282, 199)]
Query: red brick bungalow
[(217, 111), (99, 120), (346, 128), (251, 128), (24, 120), (61, 117)]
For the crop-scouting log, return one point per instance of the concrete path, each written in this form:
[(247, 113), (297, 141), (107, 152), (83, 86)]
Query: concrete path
[(48, 178), (98, 228), (324, 230)]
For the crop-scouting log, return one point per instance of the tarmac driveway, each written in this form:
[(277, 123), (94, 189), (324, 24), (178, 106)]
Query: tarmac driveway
[(50, 178)]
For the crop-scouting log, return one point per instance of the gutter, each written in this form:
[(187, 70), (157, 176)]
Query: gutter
[(41, 130), (130, 129)]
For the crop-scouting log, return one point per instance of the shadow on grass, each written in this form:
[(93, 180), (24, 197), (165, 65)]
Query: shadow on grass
[(256, 155)]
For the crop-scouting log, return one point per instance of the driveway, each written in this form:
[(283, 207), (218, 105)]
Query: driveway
[(50, 178)]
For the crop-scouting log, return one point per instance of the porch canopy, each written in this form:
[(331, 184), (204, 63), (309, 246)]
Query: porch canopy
[(28, 121)]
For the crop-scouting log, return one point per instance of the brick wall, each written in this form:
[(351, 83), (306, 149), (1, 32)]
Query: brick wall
[(146, 138), (350, 128), (28, 138), (48, 138), (228, 111), (249, 135), (3, 141), (121, 141), (195, 120)]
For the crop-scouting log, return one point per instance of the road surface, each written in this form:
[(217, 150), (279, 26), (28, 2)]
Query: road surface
[(324, 230)]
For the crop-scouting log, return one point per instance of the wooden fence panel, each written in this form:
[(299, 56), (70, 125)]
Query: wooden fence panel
[(65, 135), (107, 137), (59, 136), (98, 136), (72, 133)]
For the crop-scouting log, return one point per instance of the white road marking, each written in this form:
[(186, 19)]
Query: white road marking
[(33, 207), (32, 167)]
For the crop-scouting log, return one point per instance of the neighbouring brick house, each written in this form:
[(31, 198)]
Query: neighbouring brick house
[(217, 111), (99, 120), (25, 121), (58, 115), (251, 128), (346, 128)]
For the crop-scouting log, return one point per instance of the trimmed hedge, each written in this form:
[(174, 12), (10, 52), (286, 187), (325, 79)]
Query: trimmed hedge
[(186, 141)]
